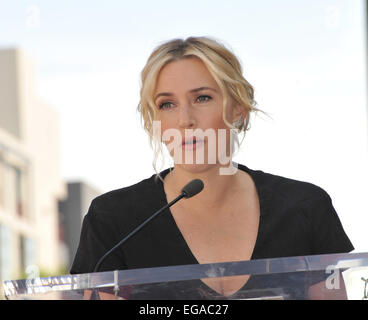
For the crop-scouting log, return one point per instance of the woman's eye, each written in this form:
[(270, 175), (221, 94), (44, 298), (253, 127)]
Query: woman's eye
[(165, 105), (203, 98)]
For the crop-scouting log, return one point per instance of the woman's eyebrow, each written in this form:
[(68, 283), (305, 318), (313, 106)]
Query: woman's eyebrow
[(163, 94), (168, 94), (203, 88)]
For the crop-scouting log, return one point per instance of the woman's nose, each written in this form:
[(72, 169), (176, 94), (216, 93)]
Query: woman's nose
[(186, 119)]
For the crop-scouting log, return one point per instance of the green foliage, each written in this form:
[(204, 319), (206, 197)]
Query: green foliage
[(41, 273)]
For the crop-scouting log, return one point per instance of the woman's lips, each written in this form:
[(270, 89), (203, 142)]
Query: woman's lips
[(191, 144)]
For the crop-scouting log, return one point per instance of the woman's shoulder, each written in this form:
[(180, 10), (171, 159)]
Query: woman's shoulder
[(286, 187), (140, 189), (123, 202)]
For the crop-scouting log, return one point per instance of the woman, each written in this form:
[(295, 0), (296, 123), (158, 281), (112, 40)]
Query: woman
[(193, 92)]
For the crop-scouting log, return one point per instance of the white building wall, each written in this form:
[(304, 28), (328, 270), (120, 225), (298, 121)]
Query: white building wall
[(29, 140)]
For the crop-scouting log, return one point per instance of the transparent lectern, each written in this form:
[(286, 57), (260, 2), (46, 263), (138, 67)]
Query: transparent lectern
[(334, 276)]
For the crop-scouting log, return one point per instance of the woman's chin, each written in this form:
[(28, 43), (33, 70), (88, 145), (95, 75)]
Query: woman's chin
[(194, 167)]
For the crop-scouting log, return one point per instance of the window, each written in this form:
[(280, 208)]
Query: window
[(15, 189), (2, 183), (18, 191), (27, 253), (5, 253)]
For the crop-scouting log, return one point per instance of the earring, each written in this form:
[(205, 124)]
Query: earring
[(237, 124)]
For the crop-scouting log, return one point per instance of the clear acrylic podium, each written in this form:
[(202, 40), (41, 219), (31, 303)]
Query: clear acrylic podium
[(335, 276)]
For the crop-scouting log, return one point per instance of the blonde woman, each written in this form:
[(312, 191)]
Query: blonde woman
[(195, 101)]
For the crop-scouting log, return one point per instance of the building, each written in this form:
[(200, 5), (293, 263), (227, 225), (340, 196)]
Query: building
[(72, 211), (30, 174)]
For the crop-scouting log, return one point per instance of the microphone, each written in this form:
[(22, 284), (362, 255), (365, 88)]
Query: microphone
[(191, 189)]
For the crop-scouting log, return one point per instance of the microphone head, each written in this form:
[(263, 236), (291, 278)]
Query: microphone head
[(192, 188)]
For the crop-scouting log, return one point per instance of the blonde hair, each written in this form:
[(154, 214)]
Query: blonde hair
[(222, 64)]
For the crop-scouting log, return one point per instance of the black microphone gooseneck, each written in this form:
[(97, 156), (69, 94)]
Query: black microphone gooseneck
[(191, 189)]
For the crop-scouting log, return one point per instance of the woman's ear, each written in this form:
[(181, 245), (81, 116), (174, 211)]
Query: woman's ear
[(238, 113)]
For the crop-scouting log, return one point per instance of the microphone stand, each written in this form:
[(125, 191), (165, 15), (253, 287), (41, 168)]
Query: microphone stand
[(191, 189), (95, 295)]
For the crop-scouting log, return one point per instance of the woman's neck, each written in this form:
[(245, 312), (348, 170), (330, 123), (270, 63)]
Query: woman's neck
[(216, 189)]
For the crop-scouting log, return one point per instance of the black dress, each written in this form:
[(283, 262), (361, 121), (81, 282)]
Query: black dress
[(296, 219)]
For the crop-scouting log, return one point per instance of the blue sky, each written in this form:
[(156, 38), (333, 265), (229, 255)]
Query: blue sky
[(290, 28), (306, 60)]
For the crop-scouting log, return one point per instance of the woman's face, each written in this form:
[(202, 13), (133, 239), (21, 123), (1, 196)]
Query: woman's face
[(187, 98)]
